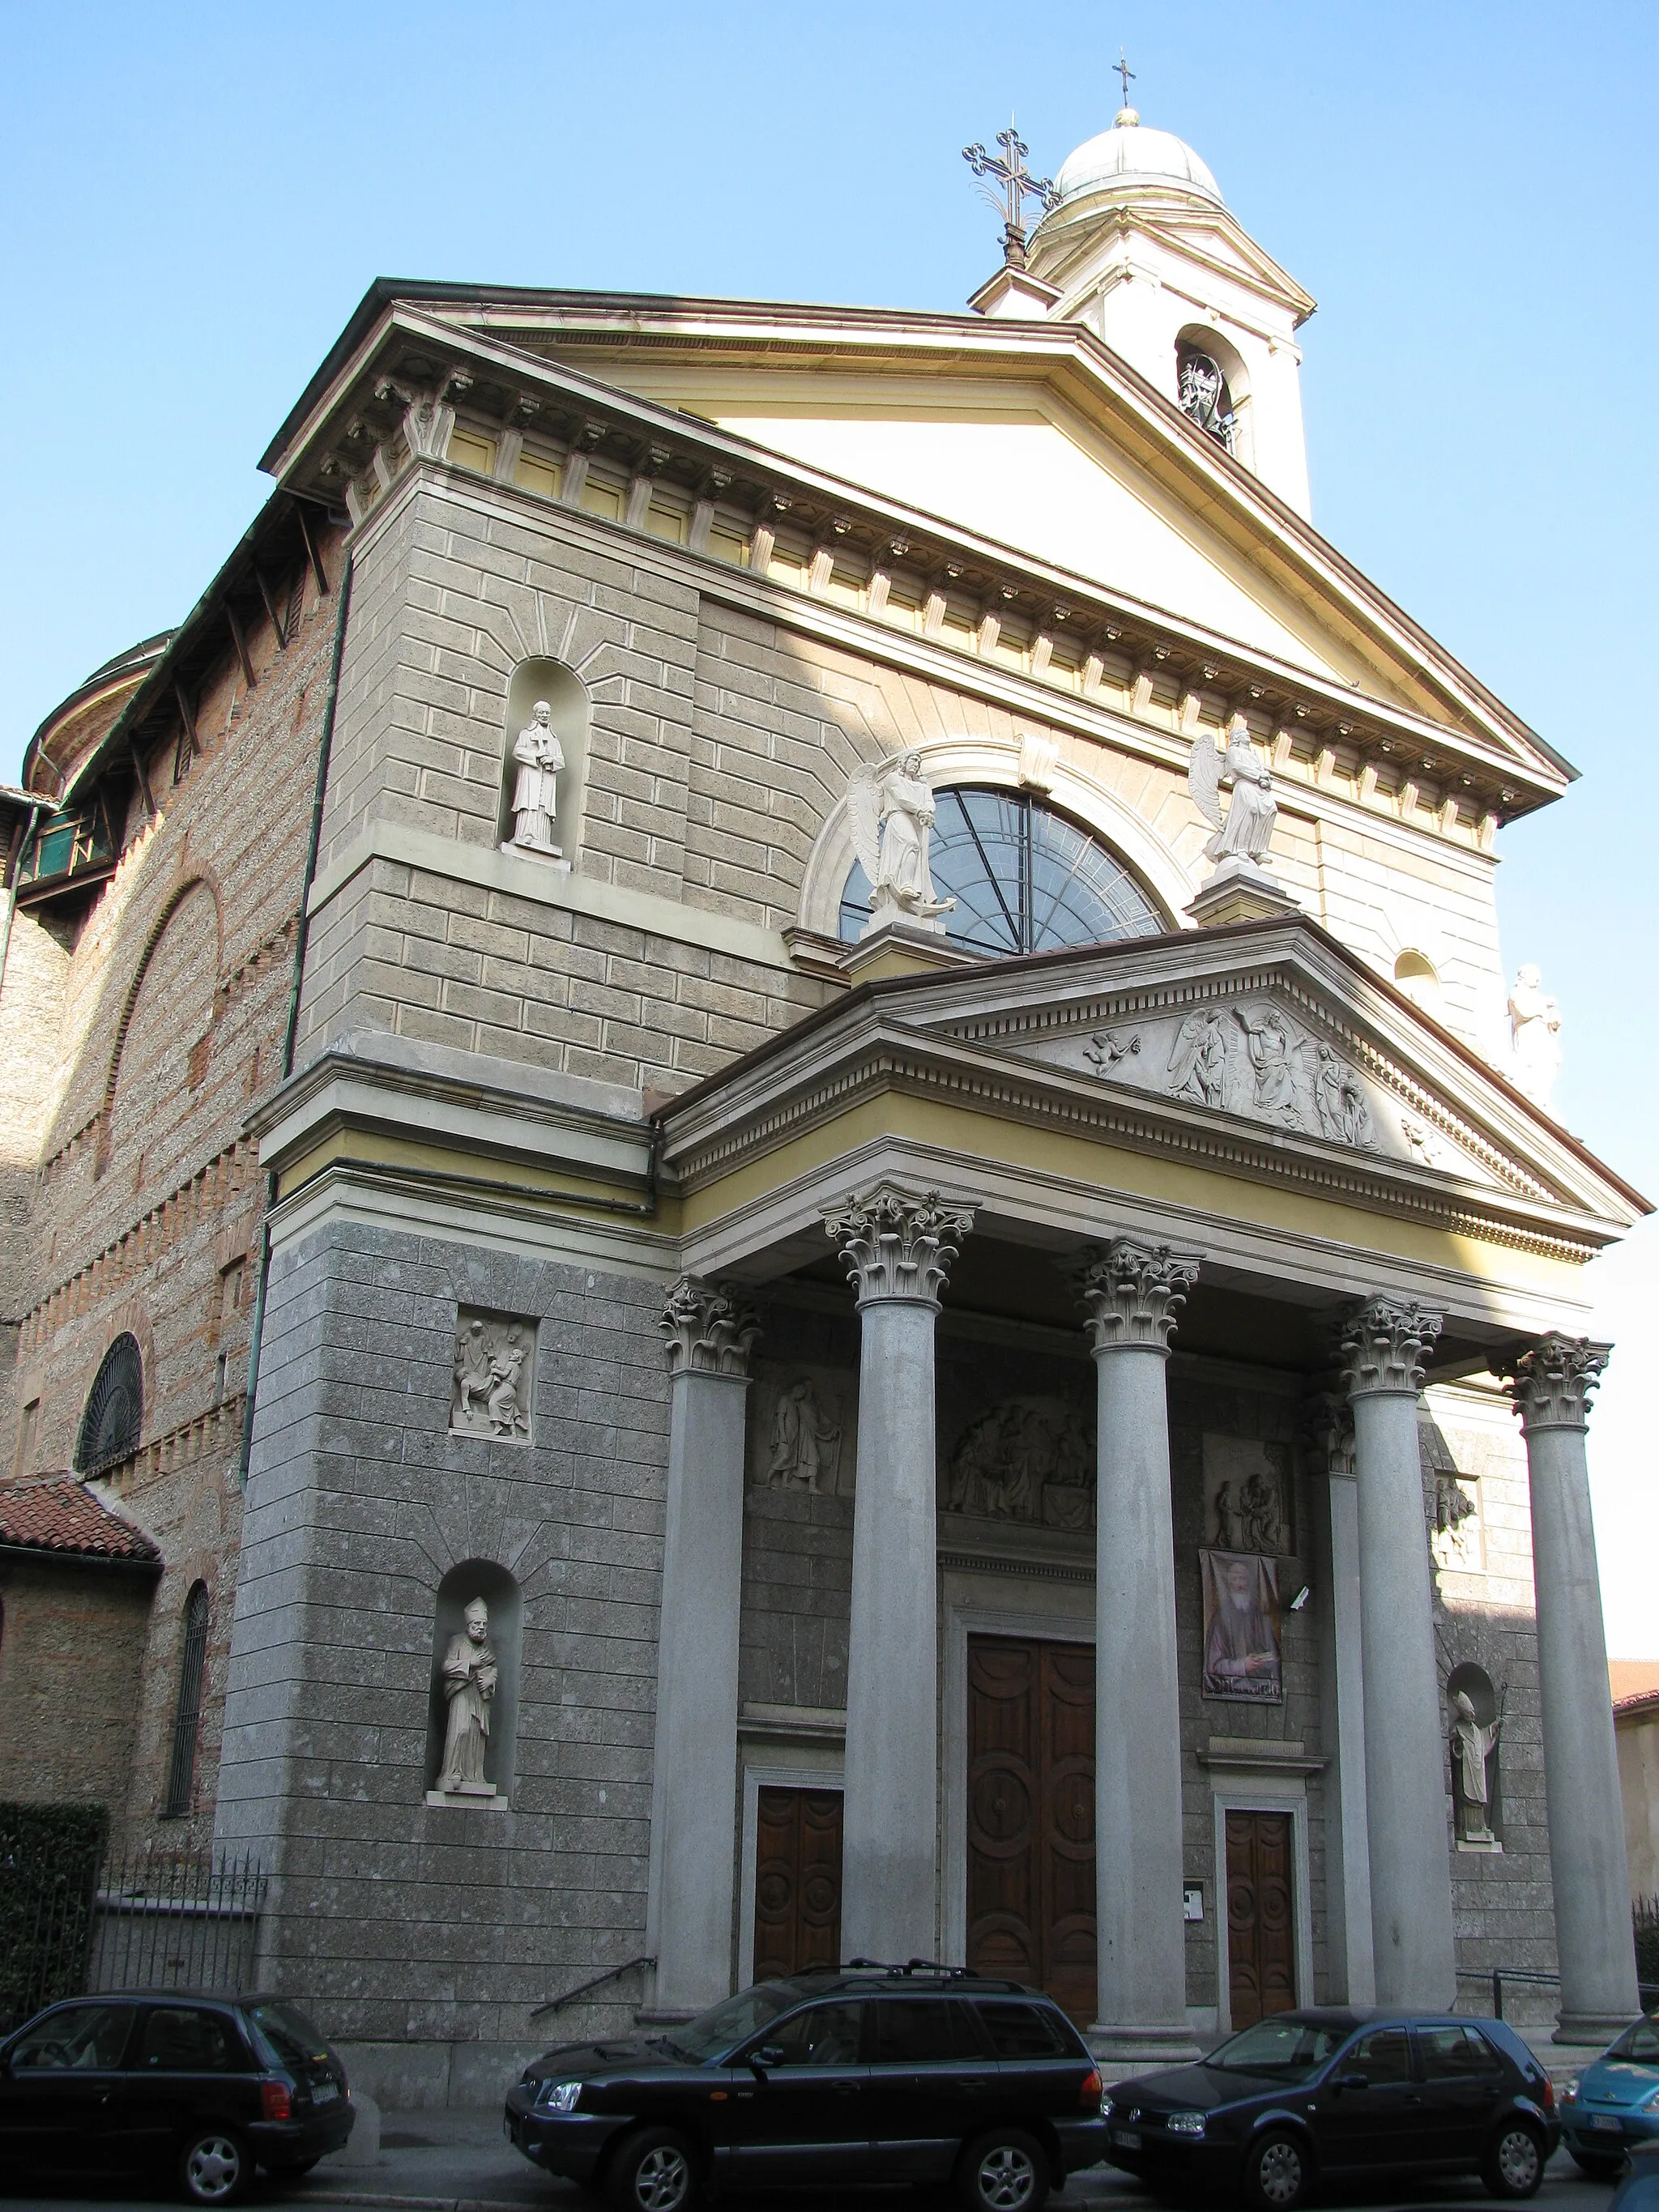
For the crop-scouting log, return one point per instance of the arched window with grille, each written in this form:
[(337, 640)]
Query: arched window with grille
[(1024, 878), (187, 1716), (112, 1421)]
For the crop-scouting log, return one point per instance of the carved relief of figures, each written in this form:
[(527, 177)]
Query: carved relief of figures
[(1454, 1520), (805, 1448), (1198, 1063), (1273, 1059), (471, 1675), (889, 811), (534, 794), (492, 1374), (1246, 831), (1026, 1460), (1103, 1052), (1245, 1486), (1534, 1035), (1422, 1143)]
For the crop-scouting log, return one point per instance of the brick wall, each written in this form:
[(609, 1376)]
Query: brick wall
[(71, 1645)]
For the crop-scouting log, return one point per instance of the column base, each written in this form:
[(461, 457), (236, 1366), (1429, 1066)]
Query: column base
[(1140, 2048), (1592, 2028)]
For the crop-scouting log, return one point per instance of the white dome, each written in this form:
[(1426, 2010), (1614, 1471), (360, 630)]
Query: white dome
[(1128, 154)]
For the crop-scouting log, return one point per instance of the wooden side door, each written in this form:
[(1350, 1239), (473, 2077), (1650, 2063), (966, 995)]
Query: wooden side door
[(1031, 1815), (797, 1882), (1260, 1922)]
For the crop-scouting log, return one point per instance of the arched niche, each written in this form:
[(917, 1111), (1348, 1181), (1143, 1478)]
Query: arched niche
[(473, 1579), (1416, 975), (987, 762), (1205, 338), (1474, 1683), (569, 718)]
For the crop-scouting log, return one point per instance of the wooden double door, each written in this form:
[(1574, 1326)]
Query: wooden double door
[(1031, 1815), (797, 1882), (1260, 1922)]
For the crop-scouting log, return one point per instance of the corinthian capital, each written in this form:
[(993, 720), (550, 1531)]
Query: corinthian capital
[(1134, 1293), (897, 1243), (1384, 1343), (706, 1330), (1328, 1431), (1550, 1384)]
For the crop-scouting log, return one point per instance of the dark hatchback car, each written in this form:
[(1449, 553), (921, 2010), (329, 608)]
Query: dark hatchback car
[(170, 2084), (888, 2076), (1326, 2092)]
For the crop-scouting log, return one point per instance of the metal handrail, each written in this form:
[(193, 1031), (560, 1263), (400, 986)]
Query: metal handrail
[(1646, 1992), (611, 1974)]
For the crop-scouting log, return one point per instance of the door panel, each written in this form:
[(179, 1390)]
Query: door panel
[(1031, 1815), (1382, 2122), (797, 1882), (1260, 1922), (806, 2116)]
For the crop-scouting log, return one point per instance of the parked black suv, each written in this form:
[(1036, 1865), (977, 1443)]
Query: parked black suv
[(865, 2074), (1334, 2091), (170, 2082)]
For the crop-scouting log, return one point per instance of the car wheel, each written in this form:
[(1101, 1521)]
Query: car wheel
[(1278, 2172), (1005, 2172), (1598, 2169), (1514, 2164), (215, 2166), (652, 2172)]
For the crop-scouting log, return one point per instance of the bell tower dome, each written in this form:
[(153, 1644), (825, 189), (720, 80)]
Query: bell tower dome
[(1137, 242)]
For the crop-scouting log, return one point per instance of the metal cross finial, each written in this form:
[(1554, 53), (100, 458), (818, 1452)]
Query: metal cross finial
[(1018, 184), (1123, 70)]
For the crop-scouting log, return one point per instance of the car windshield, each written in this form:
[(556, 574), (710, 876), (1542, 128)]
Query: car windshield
[(1285, 2047), (723, 2025), (1640, 2042), (288, 2037)]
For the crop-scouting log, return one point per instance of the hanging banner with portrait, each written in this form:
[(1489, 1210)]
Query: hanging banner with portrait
[(1241, 1653)]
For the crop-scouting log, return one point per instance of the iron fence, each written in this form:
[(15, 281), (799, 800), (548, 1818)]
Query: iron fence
[(176, 1920)]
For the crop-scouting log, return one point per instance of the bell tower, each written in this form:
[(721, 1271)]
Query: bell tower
[(1136, 241)]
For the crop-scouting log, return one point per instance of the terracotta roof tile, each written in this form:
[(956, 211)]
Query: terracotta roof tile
[(59, 1513)]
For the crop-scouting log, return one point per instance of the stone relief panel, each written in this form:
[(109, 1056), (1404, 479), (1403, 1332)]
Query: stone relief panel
[(1026, 1459), (493, 1375), (1451, 1502), (803, 1429), (1247, 1496), (1252, 1057)]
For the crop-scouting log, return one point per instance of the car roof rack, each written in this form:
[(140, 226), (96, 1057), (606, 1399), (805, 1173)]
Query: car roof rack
[(909, 1966)]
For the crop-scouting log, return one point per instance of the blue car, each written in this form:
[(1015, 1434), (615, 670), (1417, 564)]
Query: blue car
[(1613, 2106)]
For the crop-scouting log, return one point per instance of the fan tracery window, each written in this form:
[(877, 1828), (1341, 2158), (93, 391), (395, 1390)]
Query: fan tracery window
[(114, 1418), (1025, 878)]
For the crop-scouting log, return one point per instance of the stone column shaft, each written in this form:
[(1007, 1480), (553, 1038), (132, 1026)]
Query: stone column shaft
[(1413, 1951), (1550, 1387), (1134, 1293), (695, 1776), (897, 1248), (1348, 1862)]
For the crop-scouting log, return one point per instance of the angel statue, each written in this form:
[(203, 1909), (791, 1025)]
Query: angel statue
[(889, 808), (1246, 831)]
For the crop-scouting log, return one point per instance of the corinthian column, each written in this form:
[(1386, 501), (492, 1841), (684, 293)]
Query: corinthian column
[(1385, 1342), (694, 1777), (1550, 1387), (897, 1247), (1134, 1293)]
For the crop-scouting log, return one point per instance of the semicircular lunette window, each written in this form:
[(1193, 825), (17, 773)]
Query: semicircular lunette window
[(114, 1417), (1025, 879)]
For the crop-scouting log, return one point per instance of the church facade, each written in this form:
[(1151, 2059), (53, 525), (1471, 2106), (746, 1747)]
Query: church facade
[(886, 1204)]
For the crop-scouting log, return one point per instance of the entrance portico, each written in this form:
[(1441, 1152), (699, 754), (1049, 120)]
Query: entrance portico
[(948, 1138)]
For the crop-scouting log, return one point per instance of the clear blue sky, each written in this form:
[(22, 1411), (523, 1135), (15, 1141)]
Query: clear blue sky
[(195, 197)]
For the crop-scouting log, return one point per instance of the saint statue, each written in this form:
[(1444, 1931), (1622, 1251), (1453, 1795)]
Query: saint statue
[(890, 809), (1241, 1645), (470, 1676), (1534, 1035), (1272, 1058), (1472, 1746), (1245, 832), (806, 1444), (535, 794), (505, 1367), (1197, 1061)]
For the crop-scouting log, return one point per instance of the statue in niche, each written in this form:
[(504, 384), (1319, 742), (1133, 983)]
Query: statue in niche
[(1472, 1747), (1198, 1062), (471, 1673), (1243, 834), (805, 1443), (536, 794), (1534, 1035), (491, 1394), (890, 811), (1272, 1058)]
